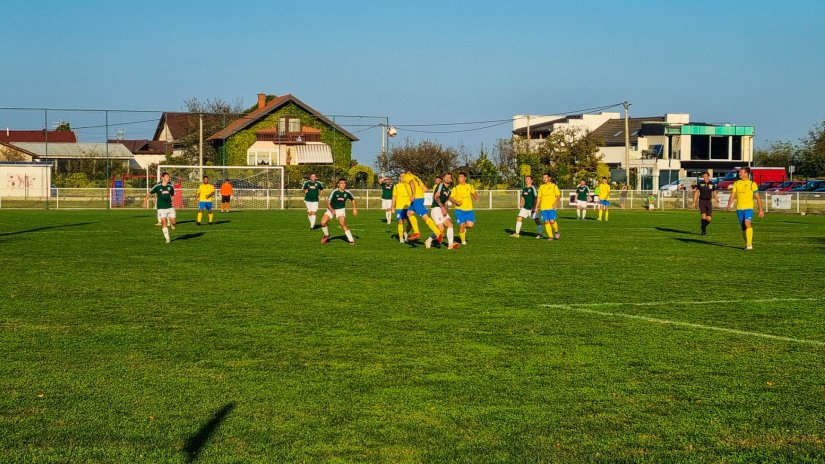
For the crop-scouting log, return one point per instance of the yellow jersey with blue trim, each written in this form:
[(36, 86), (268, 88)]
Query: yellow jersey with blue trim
[(402, 195), (548, 195), (419, 185), (464, 194), (743, 190), (205, 192)]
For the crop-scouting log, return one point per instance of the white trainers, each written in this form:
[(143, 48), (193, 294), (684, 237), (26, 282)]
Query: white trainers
[(749, 247), (558, 236), (539, 236), (429, 242), (168, 241), (515, 235)]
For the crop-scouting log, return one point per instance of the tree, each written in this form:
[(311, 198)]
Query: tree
[(425, 158), (568, 154), (217, 114), (812, 152), (780, 154)]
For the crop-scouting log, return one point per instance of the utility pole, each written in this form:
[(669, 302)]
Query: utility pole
[(200, 148), (626, 143), (528, 134)]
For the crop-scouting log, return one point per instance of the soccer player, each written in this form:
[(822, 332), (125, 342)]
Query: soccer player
[(548, 200), (744, 191), (204, 196), (527, 206), (336, 208), (706, 194), (417, 207), (462, 196), (441, 195), (401, 199), (166, 213), (226, 195), (603, 190), (312, 192), (386, 197), (582, 196)]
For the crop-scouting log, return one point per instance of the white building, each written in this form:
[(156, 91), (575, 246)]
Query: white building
[(662, 148)]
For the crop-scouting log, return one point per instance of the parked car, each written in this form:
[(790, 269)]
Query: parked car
[(767, 185), (810, 186), (759, 174), (681, 184), (787, 185)]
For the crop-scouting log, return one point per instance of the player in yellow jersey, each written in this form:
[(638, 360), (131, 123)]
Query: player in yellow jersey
[(418, 188), (401, 199), (462, 196), (204, 198), (603, 191), (548, 199), (744, 191)]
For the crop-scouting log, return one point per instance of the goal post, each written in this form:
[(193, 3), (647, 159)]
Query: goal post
[(254, 187)]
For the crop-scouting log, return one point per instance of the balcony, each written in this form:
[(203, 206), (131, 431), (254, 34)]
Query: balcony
[(287, 138)]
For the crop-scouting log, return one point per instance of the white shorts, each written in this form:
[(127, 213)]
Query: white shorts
[(386, 204), (336, 213), (438, 217), (312, 206), (526, 213), (167, 213), (581, 204)]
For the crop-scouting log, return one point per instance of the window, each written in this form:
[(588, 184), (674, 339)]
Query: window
[(289, 126)]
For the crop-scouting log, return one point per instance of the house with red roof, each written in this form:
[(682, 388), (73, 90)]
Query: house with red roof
[(283, 130)]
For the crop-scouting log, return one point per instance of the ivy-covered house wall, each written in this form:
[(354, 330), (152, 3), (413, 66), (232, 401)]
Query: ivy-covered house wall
[(237, 145)]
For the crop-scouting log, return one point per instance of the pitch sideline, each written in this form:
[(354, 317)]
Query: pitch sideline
[(584, 308)]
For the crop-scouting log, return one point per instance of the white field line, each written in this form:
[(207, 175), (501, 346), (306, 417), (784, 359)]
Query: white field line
[(584, 308)]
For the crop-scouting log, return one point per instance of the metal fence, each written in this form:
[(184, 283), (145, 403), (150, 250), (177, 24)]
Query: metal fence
[(271, 199)]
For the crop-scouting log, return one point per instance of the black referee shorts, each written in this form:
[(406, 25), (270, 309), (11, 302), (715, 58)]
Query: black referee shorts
[(706, 207)]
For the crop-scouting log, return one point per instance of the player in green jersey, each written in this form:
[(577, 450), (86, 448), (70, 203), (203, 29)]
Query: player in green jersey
[(166, 213), (527, 207), (336, 208), (386, 197), (582, 198), (312, 192)]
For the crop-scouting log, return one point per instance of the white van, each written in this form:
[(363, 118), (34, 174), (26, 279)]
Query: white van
[(668, 189)]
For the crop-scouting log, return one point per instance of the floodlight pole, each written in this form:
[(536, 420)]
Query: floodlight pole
[(626, 144), (200, 147)]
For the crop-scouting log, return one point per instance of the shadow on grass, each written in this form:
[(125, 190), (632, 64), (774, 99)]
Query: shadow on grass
[(675, 231), (705, 242), (226, 221), (38, 229), (343, 238), (188, 236), (195, 443), (526, 234)]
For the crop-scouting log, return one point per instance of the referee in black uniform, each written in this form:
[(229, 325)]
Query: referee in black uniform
[(706, 194)]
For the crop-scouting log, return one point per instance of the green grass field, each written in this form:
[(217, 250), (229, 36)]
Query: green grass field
[(635, 340)]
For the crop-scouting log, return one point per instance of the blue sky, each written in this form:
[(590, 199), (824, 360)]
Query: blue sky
[(747, 62)]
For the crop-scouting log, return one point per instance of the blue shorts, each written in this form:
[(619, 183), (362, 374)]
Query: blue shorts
[(401, 214), (418, 207), (207, 205), (464, 216), (605, 202), (548, 215), (744, 215)]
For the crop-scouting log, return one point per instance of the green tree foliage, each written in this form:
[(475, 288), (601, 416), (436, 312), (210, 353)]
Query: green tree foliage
[(778, 154), (425, 158), (812, 153), (568, 154), (361, 176), (217, 114)]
